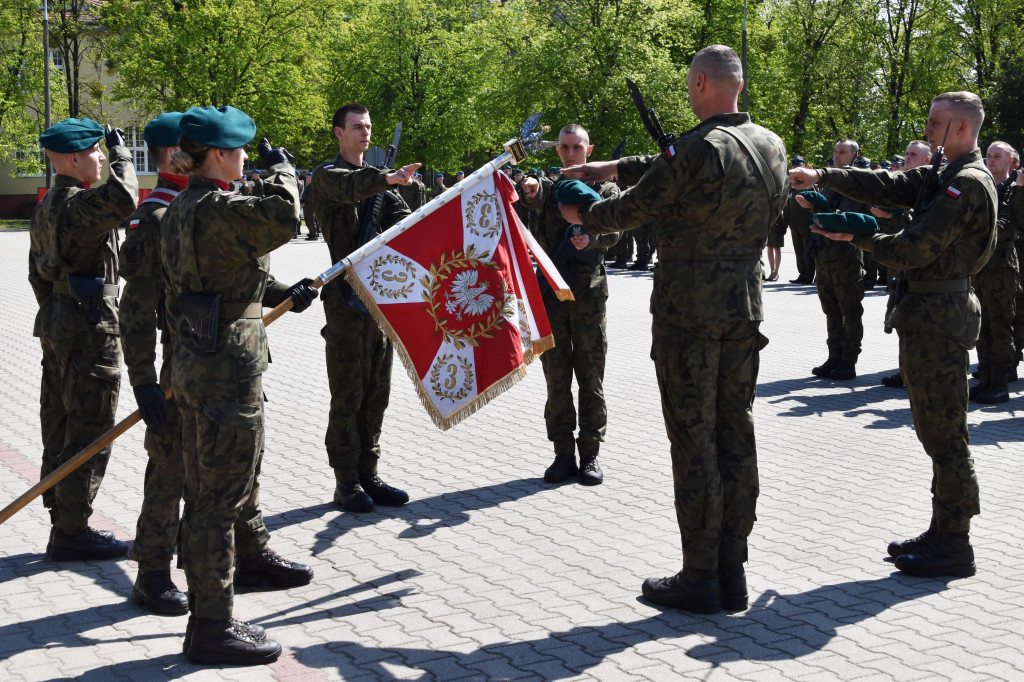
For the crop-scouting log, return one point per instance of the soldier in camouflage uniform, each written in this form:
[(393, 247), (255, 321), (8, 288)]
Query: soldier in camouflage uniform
[(438, 187), (578, 326), (140, 311), (309, 209), (839, 274), (996, 287), (798, 220), (938, 317), (714, 201), (73, 273), (414, 194), (214, 247), (359, 354)]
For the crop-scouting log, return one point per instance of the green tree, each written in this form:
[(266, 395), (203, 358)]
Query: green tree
[(261, 56)]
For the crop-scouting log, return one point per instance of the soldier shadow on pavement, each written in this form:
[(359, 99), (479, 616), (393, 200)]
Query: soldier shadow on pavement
[(113, 576), (777, 627), (870, 400), (423, 516)]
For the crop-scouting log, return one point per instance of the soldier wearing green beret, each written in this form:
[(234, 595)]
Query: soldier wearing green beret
[(715, 192), (359, 354), (214, 247), (141, 315), (936, 314), (579, 326), (73, 273)]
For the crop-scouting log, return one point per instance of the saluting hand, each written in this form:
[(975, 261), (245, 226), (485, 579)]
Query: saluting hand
[(403, 175)]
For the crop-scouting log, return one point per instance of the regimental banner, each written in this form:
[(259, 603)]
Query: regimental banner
[(457, 296)]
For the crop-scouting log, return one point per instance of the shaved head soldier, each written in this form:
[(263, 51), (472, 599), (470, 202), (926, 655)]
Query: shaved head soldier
[(715, 193)]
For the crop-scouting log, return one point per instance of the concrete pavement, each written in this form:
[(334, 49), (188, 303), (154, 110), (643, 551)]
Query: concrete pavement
[(489, 573)]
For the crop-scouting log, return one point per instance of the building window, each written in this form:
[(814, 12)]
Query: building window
[(140, 153), (57, 60), (29, 163)]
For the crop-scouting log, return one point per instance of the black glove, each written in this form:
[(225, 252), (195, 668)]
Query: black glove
[(303, 294), (152, 404), (269, 156), (113, 137)]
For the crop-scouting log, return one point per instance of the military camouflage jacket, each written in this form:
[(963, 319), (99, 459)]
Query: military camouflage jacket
[(414, 195), (73, 233), (713, 214), (217, 242), (143, 292), (1011, 211), (951, 236), (583, 270), (341, 194)]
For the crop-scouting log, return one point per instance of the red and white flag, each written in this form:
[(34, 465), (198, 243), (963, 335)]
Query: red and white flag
[(457, 296)]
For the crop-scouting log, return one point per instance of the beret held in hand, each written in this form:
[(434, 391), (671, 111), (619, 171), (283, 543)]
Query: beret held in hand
[(848, 222)]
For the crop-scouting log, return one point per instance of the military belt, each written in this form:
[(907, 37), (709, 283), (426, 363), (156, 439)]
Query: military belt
[(241, 311), (670, 253), (108, 289), (938, 286)]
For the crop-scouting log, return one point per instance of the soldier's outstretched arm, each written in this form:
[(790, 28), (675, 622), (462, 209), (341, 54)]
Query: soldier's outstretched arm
[(595, 171)]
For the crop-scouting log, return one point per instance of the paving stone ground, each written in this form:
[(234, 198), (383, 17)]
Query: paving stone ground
[(491, 574)]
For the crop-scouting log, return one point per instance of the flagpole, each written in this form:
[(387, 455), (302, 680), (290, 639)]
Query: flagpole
[(407, 222)]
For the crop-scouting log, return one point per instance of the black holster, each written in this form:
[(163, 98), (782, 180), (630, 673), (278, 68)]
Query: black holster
[(88, 293), (201, 313), (897, 288)]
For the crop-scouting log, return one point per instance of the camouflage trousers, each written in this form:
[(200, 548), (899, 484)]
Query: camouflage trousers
[(841, 292), (996, 287), (77, 402), (804, 261), (359, 360), (934, 368), (581, 343), (707, 377), (222, 444), (156, 531), (646, 242), (622, 250)]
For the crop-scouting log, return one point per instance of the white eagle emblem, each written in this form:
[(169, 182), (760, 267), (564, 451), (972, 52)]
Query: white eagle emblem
[(468, 297)]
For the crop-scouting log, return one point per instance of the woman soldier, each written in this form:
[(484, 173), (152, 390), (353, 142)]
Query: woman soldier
[(215, 245)]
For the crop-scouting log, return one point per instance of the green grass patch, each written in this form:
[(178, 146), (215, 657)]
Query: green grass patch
[(14, 223)]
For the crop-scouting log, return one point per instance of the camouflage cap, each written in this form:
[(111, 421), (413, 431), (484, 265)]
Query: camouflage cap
[(163, 131), (219, 128), (71, 135), (575, 192)]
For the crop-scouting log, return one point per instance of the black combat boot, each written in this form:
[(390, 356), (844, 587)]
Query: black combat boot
[(983, 376), (382, 493), (157, 593), (893, 381), (564, 466), (229, 641), (590, 470), (617, 264), (350, 496), (732, 584), (913, 545), (690, 589), (825, 369), (269, 567), (639, 265), (997, 391), (844, 371), (87, 544), (946, 554)]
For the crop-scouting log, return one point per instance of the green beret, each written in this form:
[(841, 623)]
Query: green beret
[(71, 135), (575, 192), (219, 128), (817, 199), (163, 131), (848, 221), (554, 169)]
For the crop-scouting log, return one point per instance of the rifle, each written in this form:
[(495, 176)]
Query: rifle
[(371, 219), (650, 119), (515, 150)]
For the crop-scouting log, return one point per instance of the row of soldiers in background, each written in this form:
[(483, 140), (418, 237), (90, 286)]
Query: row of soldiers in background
[(843, 273)]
